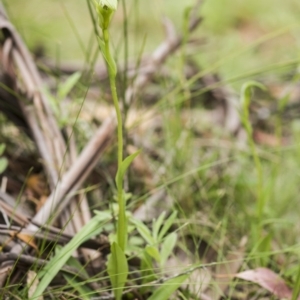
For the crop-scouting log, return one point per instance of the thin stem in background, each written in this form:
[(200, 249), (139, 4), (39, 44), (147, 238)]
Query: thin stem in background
[(125, 33)]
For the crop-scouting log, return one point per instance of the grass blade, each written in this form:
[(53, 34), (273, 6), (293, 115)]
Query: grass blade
[(58, 261), (168, 288)]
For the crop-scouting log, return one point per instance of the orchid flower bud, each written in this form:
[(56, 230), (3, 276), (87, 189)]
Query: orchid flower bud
[(105, 10)]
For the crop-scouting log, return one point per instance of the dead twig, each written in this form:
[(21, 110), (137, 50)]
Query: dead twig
[(25, 88)]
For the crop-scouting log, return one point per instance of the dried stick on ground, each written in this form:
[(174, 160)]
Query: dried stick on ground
[(24, 101), (36, 112), (31, 109)]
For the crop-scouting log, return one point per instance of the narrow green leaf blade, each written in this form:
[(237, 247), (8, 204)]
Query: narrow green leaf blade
[(157, 225), (66, 87), (58, 261), (83, 290), (167, 247), (73, 262), (2, 148), (123, 168), (153, 252), (117, 268), (143, 231), (165, 291), (3, 164), (169, 222), (111, 62)]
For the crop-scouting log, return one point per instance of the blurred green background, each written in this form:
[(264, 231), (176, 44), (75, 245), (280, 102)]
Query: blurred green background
[(240, 35)]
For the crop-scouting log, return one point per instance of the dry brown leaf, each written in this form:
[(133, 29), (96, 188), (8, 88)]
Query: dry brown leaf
[(40, 203), (4, 272), (269, 280), (36, 185), (26, 238), (267, 139)]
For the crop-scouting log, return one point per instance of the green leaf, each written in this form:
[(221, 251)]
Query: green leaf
[(83, 290), (122, 232), (73, 262), (92, 228), (3, 164), (167, 247), (103, 215), (296, 289), (102, 48), (123, 168), (109, 60), (54, 103), (143, 231), (65, 88), (2, 148), (153, 252), (147, 270), (262, 250), (169, 222), (165, 291), (117, 269), (157, 225)]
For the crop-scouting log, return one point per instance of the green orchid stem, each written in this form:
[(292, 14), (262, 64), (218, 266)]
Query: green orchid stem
[(261, 201), (121, 226), (249, 130), (257, 163)]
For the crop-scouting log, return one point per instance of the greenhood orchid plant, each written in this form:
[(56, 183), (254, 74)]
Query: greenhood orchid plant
[(117, 265)]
